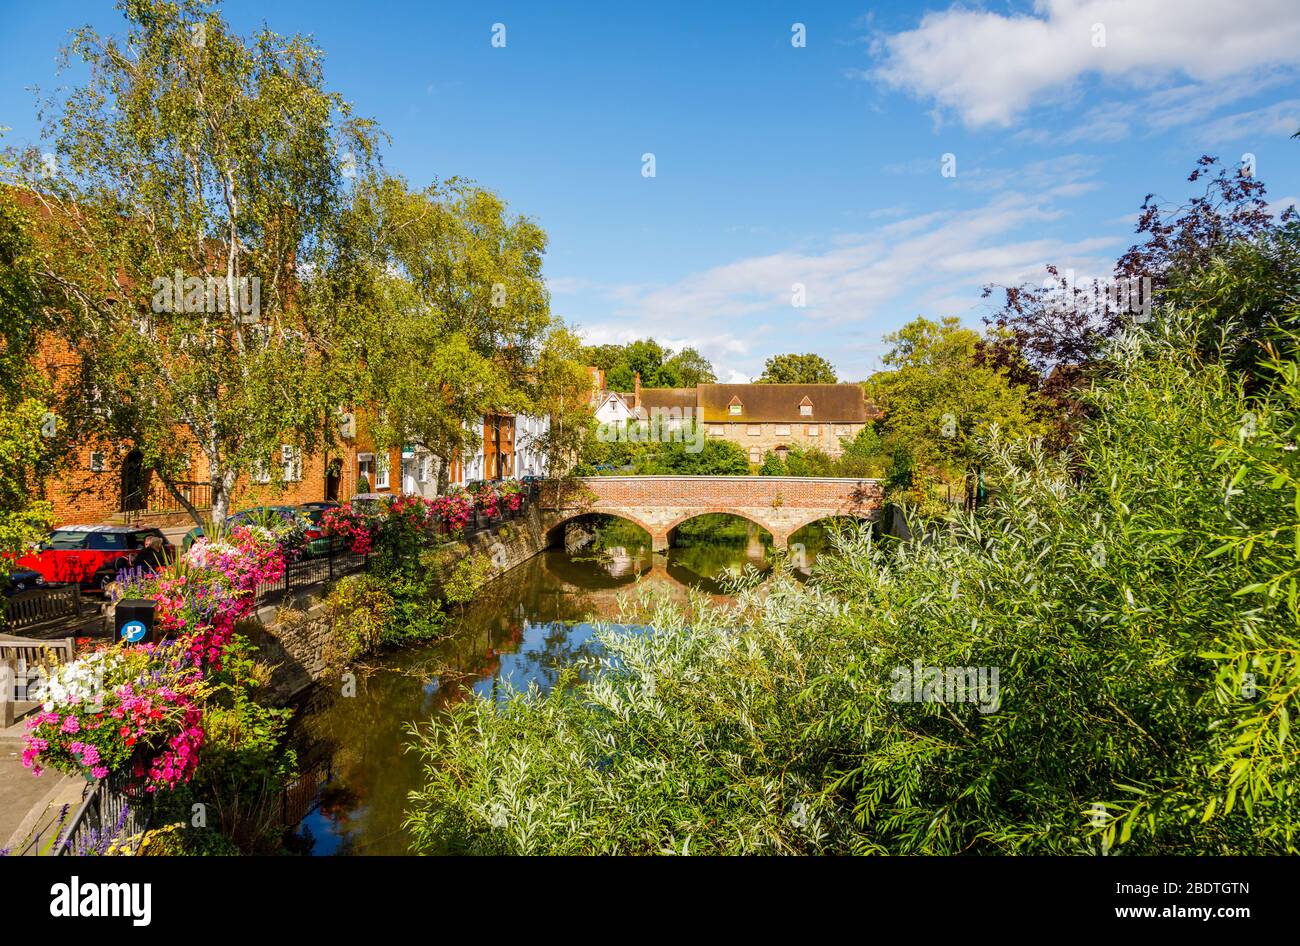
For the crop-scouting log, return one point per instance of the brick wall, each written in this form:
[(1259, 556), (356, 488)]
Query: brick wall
[(749, 491)]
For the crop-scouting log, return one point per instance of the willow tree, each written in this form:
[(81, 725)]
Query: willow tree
[(189, 215), (463, 312)]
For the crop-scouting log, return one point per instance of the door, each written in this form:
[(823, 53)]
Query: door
[(135, 482), (333, 478)]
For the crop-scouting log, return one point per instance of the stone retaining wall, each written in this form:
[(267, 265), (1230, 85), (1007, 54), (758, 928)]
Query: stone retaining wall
[(295, 637)]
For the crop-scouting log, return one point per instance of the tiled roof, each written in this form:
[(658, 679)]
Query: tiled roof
[(779, 403)]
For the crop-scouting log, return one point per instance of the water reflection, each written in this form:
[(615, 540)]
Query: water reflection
[(522, 629)]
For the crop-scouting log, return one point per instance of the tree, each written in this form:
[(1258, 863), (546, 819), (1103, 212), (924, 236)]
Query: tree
[(561, 391), (716, 458), (191, 248), (657, 365), (1064, 324), (797, 369), (692, 368), (461, 311), (23, 395), (938, 400)]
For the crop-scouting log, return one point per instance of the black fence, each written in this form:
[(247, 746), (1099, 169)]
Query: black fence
[(323, 567), (108, 815)]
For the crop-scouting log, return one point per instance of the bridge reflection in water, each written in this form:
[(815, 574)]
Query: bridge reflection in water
[(523, 629)]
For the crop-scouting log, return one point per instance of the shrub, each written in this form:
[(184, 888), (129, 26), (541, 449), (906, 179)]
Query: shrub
[(1139, 606)]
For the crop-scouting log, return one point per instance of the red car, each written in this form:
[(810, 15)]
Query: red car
[(90, 555)]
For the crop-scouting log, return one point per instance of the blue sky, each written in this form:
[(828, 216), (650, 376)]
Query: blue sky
[(778, 165)]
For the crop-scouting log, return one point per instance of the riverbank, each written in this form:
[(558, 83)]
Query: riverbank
[(524, 628), (298, 637)]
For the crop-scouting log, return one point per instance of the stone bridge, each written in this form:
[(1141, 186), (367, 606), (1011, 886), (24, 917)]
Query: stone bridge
[(659, 504)]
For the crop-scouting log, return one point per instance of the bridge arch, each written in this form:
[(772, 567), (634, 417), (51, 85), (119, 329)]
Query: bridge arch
[(668, 530), (824, 517), (563, 519)]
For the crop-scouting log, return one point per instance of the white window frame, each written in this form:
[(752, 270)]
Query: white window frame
[(291, 463), (783, 430), (805, 410), (755, 430), (814, 430), (96, 461), (382, 471), (735, 409)]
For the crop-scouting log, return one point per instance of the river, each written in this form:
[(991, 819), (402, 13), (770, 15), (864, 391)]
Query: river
[(522, 628)]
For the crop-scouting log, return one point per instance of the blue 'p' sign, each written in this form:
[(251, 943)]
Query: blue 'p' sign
[(133, 632)]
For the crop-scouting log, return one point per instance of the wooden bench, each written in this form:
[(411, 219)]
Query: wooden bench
[(19, 656), (52, 612)]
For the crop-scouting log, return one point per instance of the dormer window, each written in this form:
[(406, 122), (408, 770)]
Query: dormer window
[(805, 407), (735, 407)]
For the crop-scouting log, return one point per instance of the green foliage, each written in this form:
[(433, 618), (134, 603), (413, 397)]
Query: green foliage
[(361, 607), (461, 310), (23, 398), (222, 160), (939, 403), (243, 768), (467, 576), (691, 455), (374, 610), (861, 457), (1139, 604), (797, 369), (658, 366), (715, 458)]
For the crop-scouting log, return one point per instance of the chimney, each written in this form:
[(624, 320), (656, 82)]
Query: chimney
[(636, 390)]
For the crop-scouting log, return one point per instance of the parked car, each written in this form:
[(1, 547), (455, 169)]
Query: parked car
[(22, 579), (321, 504), (318, 542), (90, 555)]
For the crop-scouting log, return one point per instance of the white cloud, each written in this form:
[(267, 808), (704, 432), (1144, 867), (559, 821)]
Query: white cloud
[(990, 68), (861, 284), (1280, 119)]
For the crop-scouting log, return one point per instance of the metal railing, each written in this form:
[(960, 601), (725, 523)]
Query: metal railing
[(107, 816), (311, 571), (159, 500)]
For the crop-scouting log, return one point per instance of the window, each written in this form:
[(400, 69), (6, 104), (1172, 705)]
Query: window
[(814, 430), (426, 467), (735, 409), (96, 462), (841, 430), (783, 430), (755, 430), (755, 455), (107, 541), (381, 472), (259, 472), (715, 430), (291, 460), (66, 540), (805, 410)]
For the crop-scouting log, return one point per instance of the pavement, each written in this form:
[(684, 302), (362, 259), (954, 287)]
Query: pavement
[(31, 808)]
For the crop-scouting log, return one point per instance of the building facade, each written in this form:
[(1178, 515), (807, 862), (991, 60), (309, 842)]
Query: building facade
[(760, 418)]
